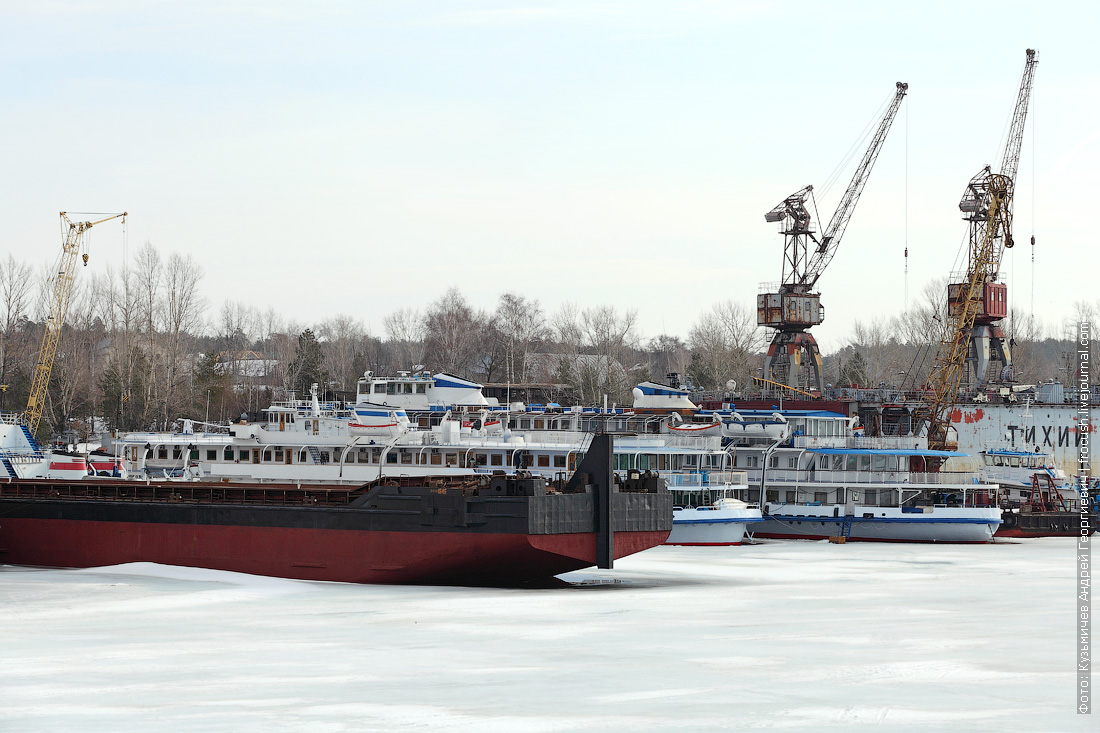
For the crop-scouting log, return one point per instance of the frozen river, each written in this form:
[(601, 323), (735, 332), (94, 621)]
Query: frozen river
[(784, 635)]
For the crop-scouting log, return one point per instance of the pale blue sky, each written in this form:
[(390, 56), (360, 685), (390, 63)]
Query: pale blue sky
[(357, 157)]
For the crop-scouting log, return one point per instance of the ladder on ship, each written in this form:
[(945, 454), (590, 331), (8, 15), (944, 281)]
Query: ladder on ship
[(846, 526), (30, 439), (314, 453), (8, 467)]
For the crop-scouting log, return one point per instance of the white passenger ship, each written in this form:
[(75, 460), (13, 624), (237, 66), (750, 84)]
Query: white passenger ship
[(307, 442), (819, 480)]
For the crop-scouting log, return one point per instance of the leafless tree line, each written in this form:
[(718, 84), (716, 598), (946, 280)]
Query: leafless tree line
[(142, 347)]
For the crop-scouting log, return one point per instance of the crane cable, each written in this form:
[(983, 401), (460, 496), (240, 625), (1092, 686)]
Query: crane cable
[(905, 302), (856, 146), (1033, 125)]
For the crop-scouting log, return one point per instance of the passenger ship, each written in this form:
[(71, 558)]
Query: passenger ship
[(307, 442), (818, 479)]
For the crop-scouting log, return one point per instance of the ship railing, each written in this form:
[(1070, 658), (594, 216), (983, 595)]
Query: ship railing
[(706, 478), (11, 418), (818, 476), (696, 442), (23, 456), (900, 442), (883, 442)]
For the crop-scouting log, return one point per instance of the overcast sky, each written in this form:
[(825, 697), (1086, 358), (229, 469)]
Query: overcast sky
[(357, 157)]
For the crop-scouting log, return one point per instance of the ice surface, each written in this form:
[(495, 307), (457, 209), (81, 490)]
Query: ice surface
[(783, 635)]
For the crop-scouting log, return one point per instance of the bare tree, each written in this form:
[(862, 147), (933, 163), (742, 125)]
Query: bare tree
[(405, 333), (183, 309), (16, 289), (342, 340), (724, 343), (519, 326), (453, 332), (595, 343), (667, 354)]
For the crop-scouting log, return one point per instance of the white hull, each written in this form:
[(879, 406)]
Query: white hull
[(710, 525), (883, 524)]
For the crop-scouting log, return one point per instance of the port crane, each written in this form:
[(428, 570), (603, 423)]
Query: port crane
[(58, 303), (977, 303), (796, 307)]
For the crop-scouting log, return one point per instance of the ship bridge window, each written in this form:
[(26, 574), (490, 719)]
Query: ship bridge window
[(162, 452), (864, 463), (559, 461), (496, 459), (177, 452), (406, 457), (989, 460), (838, 463), (421, 389), (1014, 461), (391, 388), (279, 455), (211, 454), (792, 462), (878, 463), (544, 461), (391, 458)]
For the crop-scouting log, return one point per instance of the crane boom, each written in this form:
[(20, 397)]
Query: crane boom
[(847, 206), (1010, 162), (58, 303)]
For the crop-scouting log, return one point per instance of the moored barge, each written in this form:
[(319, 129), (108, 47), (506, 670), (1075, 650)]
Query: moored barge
[(472, 530)]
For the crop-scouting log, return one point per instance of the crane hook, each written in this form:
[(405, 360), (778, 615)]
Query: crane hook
[(85, 256)]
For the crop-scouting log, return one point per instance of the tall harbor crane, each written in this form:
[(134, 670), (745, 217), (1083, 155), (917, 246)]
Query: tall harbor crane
[(796, 307), (977, 304), (59, 303)]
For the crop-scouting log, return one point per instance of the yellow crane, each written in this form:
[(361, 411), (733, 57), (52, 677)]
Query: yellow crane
[(977, 304), (59, 303)]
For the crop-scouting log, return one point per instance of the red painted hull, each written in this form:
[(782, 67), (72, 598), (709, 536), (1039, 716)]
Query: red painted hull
[(704, 544), (308, 553), (779, 536), (1036, 533)]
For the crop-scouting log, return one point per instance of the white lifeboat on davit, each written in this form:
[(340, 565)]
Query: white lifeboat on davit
[(370, 419), (676, 426)]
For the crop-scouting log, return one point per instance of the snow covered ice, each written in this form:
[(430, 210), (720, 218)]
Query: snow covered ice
[(782, 635)]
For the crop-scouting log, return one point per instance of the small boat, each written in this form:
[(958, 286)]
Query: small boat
[(708, 515), (1045, 512)]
